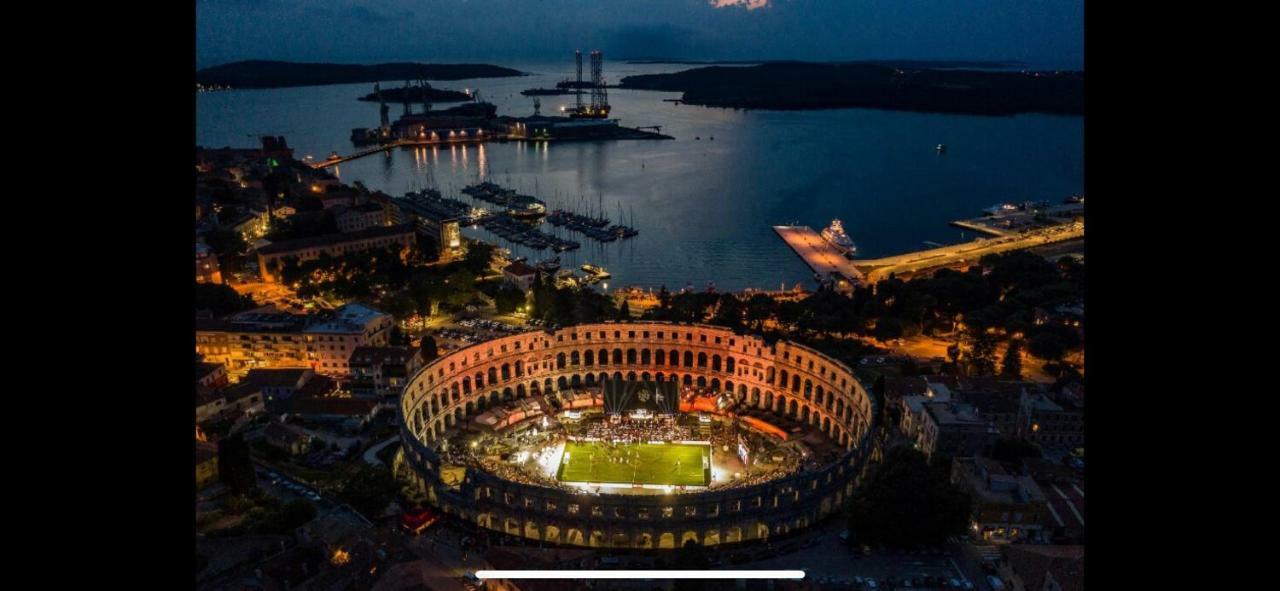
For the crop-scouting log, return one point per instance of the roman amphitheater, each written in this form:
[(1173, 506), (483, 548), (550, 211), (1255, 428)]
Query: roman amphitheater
[(765, 439)]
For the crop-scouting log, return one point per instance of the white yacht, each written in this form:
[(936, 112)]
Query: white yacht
[(835, 235)]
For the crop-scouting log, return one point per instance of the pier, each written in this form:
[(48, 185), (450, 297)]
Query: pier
[(824, 259), (400, 144), (827, 262)]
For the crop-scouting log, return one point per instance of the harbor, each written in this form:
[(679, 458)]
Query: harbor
[(689, 233)]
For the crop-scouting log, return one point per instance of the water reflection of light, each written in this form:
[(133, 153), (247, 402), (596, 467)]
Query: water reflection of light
[(482, 160)]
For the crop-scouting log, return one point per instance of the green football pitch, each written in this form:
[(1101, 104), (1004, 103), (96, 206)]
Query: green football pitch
[(667, 464)]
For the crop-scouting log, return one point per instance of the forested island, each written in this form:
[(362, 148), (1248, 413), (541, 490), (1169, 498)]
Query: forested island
[(278, 74), (802, 85)]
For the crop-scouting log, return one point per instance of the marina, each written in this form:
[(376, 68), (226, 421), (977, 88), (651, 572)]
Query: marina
[(704, 209)]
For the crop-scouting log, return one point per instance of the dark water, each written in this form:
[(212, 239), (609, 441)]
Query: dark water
[(704, 207)]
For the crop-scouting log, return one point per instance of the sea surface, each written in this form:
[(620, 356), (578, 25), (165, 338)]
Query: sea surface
[(705, 202)]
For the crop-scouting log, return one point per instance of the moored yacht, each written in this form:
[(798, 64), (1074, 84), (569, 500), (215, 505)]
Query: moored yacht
[(834, 234)]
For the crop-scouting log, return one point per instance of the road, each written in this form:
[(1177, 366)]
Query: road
[(928, 348), (878, 269), (371, 454), (824, 259)]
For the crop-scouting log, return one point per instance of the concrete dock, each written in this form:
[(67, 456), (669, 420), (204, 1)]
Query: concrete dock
[(819, 254)]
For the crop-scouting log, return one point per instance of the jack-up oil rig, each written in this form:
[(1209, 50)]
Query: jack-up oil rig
[(599, 107)]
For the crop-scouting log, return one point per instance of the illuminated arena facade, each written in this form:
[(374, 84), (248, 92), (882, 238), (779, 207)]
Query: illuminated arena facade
[(784, 383)]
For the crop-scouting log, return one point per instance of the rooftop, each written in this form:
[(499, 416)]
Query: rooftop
[(279, 378), (286, 246), (347, 319), (519, 269), (951, 413), (332, 405), (204, 369)]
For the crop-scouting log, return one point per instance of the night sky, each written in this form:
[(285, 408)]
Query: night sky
[(1045, 33)]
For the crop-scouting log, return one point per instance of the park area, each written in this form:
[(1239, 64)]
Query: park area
[(641, 463)]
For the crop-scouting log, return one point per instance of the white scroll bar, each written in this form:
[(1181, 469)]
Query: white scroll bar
[(640, 574)]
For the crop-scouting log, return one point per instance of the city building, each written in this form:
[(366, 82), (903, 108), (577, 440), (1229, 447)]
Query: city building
[(271, 257), (206, 463), (266, 338), (335, 410), (1050, 424), (1034, 567), (382, 372), (332, 341), (251, 225), (260, 338), (287, 438), (279, 384), (436, 224), (211, 375), (210, 403), (1006, 507), (997, 401), (360, 217), (955, 429), (207, 269), (520, 275), (912, 395)]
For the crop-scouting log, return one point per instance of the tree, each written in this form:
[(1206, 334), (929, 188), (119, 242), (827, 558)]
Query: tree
[(507, 299), (904, 502), (235, 467), (624, 311), (982, 355), (760, 308), (221, 299), (1011, 366), (369, 490), (1047, 346), (729, 311)]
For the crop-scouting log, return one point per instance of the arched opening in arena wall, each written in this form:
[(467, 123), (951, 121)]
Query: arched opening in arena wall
[(511, 526), (733, 535), (574, 536), (575, 381), (531, 530), (551, 533), (711, 538), (597, 538), (667, 540), (687, 536)]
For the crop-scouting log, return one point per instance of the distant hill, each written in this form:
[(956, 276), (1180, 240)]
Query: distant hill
[(273, 74), (803, 85)]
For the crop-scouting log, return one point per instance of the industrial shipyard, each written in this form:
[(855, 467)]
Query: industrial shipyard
[(478, 121)]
